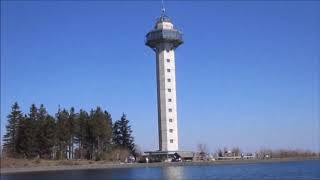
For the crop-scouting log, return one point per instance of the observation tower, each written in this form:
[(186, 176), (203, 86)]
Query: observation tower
[(164, 39)]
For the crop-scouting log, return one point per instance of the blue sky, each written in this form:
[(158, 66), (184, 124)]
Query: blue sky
[(247, 74)]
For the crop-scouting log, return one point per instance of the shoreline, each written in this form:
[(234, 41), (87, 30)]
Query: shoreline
[(6, 171)]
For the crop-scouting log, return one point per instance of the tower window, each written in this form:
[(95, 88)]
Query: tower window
[(171, 130), (169, 100), (169, 80), (171, 140), (170, 120), (169, 90), (168, 60), (168, 70), (170, 110), (167, 50)]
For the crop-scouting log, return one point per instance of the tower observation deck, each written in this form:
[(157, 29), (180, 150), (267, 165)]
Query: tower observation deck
[(163, 33), (164, 39)]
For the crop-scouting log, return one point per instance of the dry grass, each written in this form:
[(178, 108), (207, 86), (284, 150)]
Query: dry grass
[(19, 163), (107, 158)]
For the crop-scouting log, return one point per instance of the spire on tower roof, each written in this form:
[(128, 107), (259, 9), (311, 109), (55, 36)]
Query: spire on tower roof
[(163, 17), (163, 9)]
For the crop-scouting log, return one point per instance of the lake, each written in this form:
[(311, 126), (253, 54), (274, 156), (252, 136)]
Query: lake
[(309, 169)]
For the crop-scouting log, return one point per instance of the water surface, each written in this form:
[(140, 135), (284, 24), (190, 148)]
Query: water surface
[(278, 170)]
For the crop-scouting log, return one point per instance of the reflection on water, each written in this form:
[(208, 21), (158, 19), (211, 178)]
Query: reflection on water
[(175, 173)]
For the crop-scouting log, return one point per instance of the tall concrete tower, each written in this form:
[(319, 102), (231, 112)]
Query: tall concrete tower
[(164, 39)]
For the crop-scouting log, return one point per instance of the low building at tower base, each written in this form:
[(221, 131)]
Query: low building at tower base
[(169, 156)]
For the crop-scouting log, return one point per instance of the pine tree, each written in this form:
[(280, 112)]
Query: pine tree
[(40, 134), (32, 131), (109, 135), (24, 137), (62, 133), (71, 129), (46, 137), (100, 132), (117, 133), (123, 134), (11, 137), (27, 139), (81, 133), (91, 135)]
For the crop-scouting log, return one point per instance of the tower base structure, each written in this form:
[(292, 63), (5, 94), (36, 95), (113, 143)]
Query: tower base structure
[(169, 156)]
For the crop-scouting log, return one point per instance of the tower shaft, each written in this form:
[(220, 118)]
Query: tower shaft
[(166, 94)]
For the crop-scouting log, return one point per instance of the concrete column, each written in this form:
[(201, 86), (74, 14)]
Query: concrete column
[(166, 93)]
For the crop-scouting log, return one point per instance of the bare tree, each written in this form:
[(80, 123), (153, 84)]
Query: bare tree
[(219, 153), (236, 151), (203, 151), (138, 151), (202, 148), (264, 153)]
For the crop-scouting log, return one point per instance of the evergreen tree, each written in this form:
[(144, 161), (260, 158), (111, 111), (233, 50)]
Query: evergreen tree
[(71, 129), (100, 132), (40, 134), (117, 134), (11, 137), (27, 139), (46, 137), (62, 133), (40, 139), (42, 113), (123, 134), (91, 126), (24, 137), (32, 131), (81, 133), (109, 131)]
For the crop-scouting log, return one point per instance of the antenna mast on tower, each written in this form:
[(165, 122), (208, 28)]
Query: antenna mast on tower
[(163, 10)]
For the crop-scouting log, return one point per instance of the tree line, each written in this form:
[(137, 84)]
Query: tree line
[(262, 153), (66, 135), (284, 153)]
